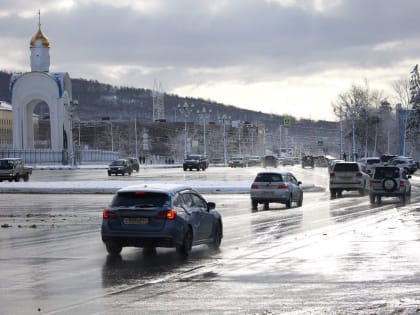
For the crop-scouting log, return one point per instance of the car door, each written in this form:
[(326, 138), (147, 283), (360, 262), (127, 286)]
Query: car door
[(296, 190), (200, 218)]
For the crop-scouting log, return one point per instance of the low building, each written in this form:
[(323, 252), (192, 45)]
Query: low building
[(6, 140)]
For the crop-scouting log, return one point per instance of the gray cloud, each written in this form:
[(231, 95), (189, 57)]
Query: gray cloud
[(254, 39)]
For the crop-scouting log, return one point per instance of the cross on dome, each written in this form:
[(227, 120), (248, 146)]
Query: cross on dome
[(39, 38)]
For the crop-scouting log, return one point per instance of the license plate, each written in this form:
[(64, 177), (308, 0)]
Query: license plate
[(136, 220)]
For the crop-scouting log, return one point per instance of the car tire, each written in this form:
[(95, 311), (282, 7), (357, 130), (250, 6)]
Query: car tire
[(217, 237), (149, 251), (372, 198), (266, 206), (379, 199), (184, 248), (26, 178), (185, 169), (289, 202), (300, 201), (254, 205), (362, 192), (333, 193), (113, 248)]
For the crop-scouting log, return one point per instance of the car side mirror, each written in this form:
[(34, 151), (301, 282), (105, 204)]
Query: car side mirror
[(299, 182), (408, 176), (211, 205)]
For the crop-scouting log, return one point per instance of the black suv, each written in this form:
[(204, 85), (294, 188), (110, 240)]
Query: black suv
[(308, 160), (196, 161), (120, 166), (135, 165)]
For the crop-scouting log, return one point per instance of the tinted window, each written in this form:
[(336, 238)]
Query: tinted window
[(141, 199), (346, 167), (373, 161), (269, 177), (390, 172), (5, 165)]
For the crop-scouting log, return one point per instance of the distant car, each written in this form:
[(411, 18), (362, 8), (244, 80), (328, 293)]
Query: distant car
[(195, 161), (120, 166), (237, 161), (405, 163), (386, 157), (389, 181), (369, 164), (275, 187), (150, 216), (269, 161), (135, 165), (308, 161), (254, 160), (347, 176), (287, 161)]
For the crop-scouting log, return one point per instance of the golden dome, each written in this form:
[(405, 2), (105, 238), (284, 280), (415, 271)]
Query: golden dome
[(40, 36)]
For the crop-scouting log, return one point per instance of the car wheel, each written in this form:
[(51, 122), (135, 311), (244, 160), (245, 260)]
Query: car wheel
[(372, 198), (185, 169), (217, 237), (378, 199), (190, 169), (333, 193), (362, 192), (26, 178), (113, 248), (289, 202), (254, 204), (149, 251), (185, 248), (402, 198), (339, 193), (300, 201), (266, 206)]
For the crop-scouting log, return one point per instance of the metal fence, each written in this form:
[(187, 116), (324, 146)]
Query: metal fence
[(62, 157)]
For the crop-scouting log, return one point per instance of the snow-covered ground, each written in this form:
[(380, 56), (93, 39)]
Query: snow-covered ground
[(107, 186)]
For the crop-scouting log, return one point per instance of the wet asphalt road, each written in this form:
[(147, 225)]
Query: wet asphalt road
[(330, 256)]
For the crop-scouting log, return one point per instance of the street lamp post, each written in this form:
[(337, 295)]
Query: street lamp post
[(205, 116), (224, 118), (71, 106), (186, 110)]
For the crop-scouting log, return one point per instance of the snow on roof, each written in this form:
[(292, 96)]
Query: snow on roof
[(5, 106)]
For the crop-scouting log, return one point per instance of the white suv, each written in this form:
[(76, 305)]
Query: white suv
[(389, 181), (348, 176)]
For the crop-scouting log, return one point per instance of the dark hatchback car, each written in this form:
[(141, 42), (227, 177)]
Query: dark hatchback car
[(160, 216)]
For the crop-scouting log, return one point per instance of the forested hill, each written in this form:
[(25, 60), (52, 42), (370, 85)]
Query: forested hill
[(98, 100)]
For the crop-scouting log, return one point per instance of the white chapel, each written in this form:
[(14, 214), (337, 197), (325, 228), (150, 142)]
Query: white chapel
[(40, 85)]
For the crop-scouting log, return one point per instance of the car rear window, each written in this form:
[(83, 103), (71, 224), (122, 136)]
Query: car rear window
[(390, 172), (267, 177), (346, 167), (141, 199), (373, 161)]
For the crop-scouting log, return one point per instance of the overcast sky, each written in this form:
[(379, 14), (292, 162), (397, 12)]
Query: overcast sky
[(276, 56)]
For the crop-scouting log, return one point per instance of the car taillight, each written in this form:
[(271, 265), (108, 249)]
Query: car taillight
[(282, 186), (332, 174), (401, 183), (107, 214), (254, 186), (166, 214), (359, 174)]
